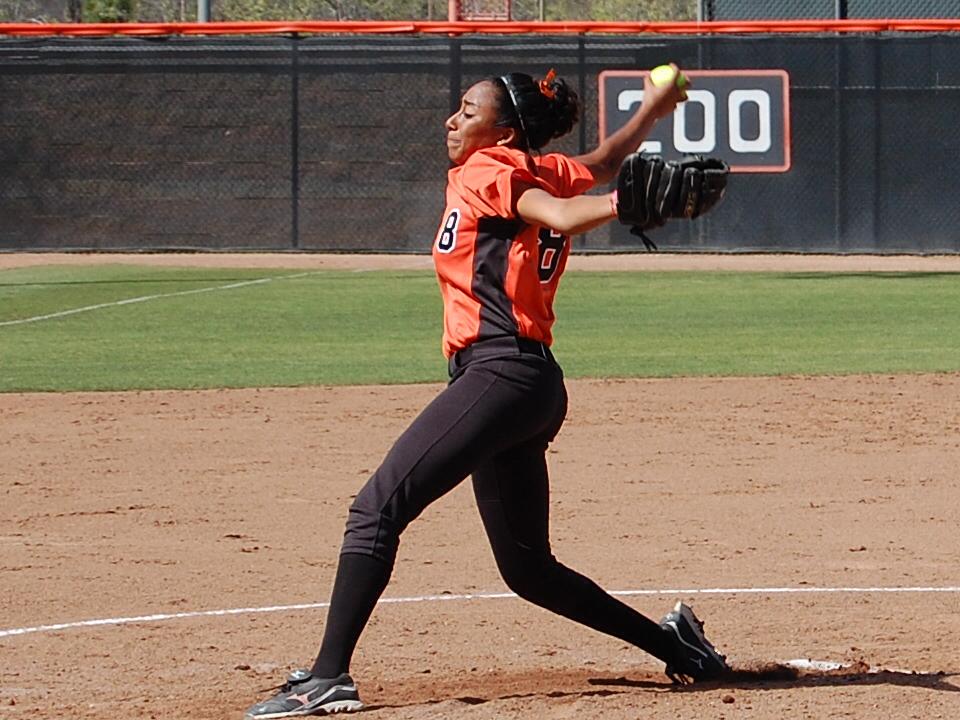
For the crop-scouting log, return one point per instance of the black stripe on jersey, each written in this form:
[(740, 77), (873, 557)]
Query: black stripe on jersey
[(494, 237)]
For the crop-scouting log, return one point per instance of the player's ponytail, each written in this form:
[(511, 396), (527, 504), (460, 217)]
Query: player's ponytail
[(539, 111)]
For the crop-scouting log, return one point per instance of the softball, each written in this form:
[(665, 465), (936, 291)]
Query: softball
[(664, 75)]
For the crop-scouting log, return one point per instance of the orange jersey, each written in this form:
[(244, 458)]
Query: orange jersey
[(498, 275)]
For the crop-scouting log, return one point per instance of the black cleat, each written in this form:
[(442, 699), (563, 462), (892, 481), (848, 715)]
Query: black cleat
[(304, 694), (695, 659)]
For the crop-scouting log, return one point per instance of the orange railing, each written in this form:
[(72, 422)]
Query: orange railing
[(489, 27)]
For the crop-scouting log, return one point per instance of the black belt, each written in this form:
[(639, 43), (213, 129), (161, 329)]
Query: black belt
[(503, 346)]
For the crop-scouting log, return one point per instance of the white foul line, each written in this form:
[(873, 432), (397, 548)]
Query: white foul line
[(145, 298), (447, 597)]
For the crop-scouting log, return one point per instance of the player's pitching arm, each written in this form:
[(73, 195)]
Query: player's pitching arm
[(575, 215), (658, 101)]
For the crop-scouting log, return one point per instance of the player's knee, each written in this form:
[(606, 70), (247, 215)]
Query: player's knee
[(371, 532), (530, 577)]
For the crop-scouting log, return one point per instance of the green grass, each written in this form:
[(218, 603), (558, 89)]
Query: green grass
[(670, 324), (334, 327)]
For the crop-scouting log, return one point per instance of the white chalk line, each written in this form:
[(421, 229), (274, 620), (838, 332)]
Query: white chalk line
[(830, 666), (158, 296), (449, 597)]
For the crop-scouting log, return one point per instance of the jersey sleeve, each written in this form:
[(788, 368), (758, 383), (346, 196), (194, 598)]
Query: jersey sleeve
[(567, 177), (493, 179)]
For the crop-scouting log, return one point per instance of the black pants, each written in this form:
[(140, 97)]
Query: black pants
[(493, 421), (505, 402)]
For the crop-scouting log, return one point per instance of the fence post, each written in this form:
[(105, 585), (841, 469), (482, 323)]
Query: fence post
[(840, 164), (295, 141), (455, 74), (582, 80)]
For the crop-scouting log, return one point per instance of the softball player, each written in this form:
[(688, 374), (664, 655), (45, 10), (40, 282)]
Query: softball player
[(501, 248)]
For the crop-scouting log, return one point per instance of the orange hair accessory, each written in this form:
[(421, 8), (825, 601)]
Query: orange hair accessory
[(545, 88)]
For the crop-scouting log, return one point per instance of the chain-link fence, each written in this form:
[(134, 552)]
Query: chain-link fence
[(827, 9), (186, 10), (524, 10), (605, 10), (336, 143)]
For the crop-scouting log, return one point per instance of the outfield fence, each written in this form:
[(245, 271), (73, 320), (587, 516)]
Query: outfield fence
[(825, 9), (335, 142)]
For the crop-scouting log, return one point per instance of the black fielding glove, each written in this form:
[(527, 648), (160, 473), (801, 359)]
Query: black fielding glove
[(651, 191)]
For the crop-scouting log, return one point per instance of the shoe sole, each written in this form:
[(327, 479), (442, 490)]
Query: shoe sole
[(693, 623), (343, 706), (340, 706)]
